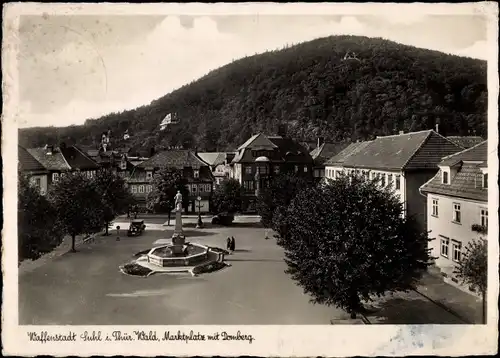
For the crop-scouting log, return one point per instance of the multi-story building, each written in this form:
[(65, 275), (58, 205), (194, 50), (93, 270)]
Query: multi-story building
[(457, 206), (335, 164), (56, 161), (219, 164), (402, 162), (261, 157), (322, 153), (197, 173)]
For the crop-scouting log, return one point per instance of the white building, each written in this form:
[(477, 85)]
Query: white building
[(457, 202)]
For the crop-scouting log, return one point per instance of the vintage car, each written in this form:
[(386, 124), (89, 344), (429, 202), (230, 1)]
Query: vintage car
[(225, 219), (136, 228)]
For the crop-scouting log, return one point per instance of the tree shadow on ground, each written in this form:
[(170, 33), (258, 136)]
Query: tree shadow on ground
[(242, 250), (408, 311), (246, 225), (229, 258)]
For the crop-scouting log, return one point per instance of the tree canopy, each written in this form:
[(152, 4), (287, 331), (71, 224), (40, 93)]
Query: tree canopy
[(38, 229), (227, 197), (310, 86), (166, 182), (78, 204), (346, 241)]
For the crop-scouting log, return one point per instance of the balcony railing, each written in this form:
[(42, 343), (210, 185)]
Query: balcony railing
[(479, 229)]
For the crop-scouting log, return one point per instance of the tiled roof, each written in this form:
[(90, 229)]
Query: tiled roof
[(77, 159), (351, 149), (477, 153), (257, 141), (325, 151), (291, 150), (466, 142), (179, 158), (213, 158), (409, 151), (54, 161), (27, 162)]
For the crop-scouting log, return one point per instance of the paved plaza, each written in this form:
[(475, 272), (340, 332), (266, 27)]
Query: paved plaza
[(87, 288)]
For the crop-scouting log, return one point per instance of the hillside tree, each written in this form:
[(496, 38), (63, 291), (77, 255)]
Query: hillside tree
[(346, 241), (78, 204), (227, 196), (472, 269), (37, 225)]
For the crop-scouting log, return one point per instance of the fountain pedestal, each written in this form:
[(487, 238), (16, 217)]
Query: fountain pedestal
[(178, 237)]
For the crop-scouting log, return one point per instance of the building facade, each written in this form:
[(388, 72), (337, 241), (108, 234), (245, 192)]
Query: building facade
[(322, 153), (263, 157), (457, 206), (402, 162), (219, 163)]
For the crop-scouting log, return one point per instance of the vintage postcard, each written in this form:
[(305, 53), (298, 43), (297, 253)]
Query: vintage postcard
[(255, 179)]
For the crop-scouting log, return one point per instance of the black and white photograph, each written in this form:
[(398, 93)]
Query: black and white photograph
[(250, 179)]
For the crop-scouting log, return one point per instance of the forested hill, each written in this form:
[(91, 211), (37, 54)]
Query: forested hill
[(380, 88)]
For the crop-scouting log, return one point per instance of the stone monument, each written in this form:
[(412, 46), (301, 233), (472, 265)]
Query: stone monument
[(178, 238)]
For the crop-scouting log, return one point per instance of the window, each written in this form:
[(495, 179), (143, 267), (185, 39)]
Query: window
[(305, 169), (248, 185), (196, 173), (248, 170), (445, 243), (485, 180), (37, 182), (457, 218), (445, 177), (456, 247), (435, 208), (382, 179), (149, 175), (484, 217), (389, 180), (188, 186), (296, 168), (337, 173), (141, 188), (134, 189), (398, 181), (55, 176), (195, 188), (263, 169), (207, 188), (202, 188), (276, 169), (149, 188)]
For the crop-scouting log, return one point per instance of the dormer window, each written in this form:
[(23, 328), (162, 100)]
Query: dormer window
[(123, 165), (196, 173), (149, 175), (446, 177)]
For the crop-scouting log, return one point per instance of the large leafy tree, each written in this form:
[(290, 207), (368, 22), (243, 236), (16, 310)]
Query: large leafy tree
[(38, 229), (166, 182), (78, 204), (115, 197), (227, 196), (346, 241), (473, 268), (274, 199)]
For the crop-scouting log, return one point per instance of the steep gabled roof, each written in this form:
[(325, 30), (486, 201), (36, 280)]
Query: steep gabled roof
[(213, 158), (467, 182), (290, 150), (179, 158), (54, 161), (27, 162), (465, 142), (351, 149), (325, 151), (258, 141), (77, 159), (409, 151)]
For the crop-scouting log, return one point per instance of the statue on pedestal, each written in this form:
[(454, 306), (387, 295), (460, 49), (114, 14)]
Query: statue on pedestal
[(178, 201)]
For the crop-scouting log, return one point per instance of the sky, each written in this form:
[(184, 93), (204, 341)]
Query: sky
[(72, 68)]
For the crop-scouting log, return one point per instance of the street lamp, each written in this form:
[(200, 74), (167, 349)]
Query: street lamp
[(200, 223)]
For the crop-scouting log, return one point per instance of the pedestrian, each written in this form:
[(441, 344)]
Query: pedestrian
[(128, 212), (118, 233), (233, 244), (228, 246)]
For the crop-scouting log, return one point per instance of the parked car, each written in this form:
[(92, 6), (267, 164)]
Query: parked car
[(136, 228), (225, 219)]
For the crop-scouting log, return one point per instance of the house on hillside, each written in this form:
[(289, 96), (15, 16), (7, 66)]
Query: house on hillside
[(195, 171), (261, 157), (322, 153), (457, 206), (466, 142), (169, 119), (30, 167), (219, 164), (57, 161), (403, 162)]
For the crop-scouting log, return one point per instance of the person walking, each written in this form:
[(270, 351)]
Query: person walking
[(228, 245), (233, 244), (118, 233)]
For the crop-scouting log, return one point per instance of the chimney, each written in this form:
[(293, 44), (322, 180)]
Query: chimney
[(320, 142), (437, 127), (49, 149)]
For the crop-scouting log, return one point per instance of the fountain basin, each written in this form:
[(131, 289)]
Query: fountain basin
[(192, 255)]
